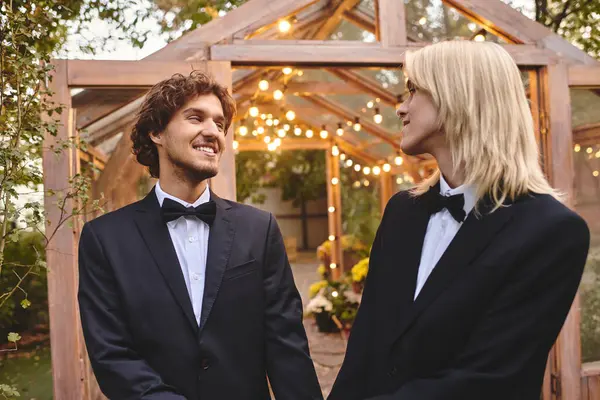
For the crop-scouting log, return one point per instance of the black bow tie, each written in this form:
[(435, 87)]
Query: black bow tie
[(434, 202), (171, 210)]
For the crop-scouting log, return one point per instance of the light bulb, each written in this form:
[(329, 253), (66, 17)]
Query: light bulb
[(270, 122), (479, 38), (297, 131), (331, 209), (357, 126), (422, 21), (399, 180), (287, 71), (376, 170), (335, 151), (263, 116), (277, 142), (357, 167), (377, 117), (284, 26), (342, 156), (387, 167), (340, 130), (334, 293), (290, 115), (253, 111), (263, 85), (286, 127), (324, 134), (370, 104), (260, 130), (300, 73), (309, 133), (272, 147), (278, 94), (235, 144), (335, 181), (243, 130), (577, 148), (281, 133), (589, 150), (331, 238), (275, 122), (267, 139), (366, 170), (595, 173), (398, 160), (366, 183), (333, 266), (349, 162)]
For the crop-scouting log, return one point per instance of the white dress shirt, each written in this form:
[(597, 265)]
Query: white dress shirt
[(190, 239), (441, 229)]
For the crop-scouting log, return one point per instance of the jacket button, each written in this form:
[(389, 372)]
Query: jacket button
[(392, 372), (205, 364)]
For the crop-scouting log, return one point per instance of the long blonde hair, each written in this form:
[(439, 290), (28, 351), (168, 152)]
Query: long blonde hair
[(485, 116)]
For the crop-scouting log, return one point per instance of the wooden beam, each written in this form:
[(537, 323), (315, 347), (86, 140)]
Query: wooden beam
[(334, 219), (123, 74), (256, 12), (360, 19), (562, 173), (366, 84), (309, 87), (61, 254), (335, 18), (112, 124), (385, 189), (392, 22), (94, 104), (332, 54), (286, 144), (587, 135), (584, 76), (347, 114)]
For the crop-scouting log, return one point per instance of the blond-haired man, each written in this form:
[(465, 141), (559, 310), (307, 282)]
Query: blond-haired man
[(472, 273)]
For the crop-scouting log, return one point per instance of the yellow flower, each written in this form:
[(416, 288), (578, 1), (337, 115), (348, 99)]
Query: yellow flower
[(322, 270), (360, 269), (316, 287)]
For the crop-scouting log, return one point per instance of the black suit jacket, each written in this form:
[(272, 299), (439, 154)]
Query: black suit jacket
[(483, 324), (139, 325)]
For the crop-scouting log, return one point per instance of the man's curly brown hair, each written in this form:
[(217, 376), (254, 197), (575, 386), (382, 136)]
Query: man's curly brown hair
[(162, 103)]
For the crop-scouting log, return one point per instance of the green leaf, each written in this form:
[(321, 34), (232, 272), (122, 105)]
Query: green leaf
[(14, 337), (25, 303)]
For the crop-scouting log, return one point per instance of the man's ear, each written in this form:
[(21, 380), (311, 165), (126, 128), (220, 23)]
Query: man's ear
[(157, 138)]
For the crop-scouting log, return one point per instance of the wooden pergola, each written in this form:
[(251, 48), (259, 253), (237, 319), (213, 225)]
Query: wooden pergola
[(248, 45)]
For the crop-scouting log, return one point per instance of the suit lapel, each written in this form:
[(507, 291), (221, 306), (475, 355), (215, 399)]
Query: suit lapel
[(158, 240), (471, 239), (220, 242)]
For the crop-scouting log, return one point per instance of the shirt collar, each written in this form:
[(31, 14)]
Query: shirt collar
[(161, 195), (467, 190)]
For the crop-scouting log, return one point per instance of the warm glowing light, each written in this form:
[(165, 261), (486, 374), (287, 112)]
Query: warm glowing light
[(260, 130), (366, 170), (398, 160), (275, 122), (253, 111), (377, 117), (589, 150), (595, 173), (349, 163), (243, 130), (297, 131), (334, 293), (324, 134), (366, 183), (479, 38), (399, 180), (287, 71), (286, 127), (357, 126), (335, 181), (284, 26), (267, 139), (422, 21), (335, 151), (387, 167), (235, 144), (342, 156), (333, 266), (278, 94), (357, 167), (370, 104), (281, 133), (290, 115), (376, 170), (263, 85), (331, 209), (577, 148), (331, 238)]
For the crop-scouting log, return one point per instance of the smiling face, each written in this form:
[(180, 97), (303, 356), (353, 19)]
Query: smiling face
[(421, 132), (193, 141)]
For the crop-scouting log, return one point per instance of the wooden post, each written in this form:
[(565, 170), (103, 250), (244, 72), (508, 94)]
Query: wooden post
[(391, 22), (334, 219), (61, 254), (385, 189), (562, 174)]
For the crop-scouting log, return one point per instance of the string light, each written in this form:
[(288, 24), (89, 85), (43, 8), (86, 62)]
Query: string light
[(260, 130), (324, 132), (366, 182), (300, 73), (235, 144), (278, 94), (335, 151), (357, 126), (589, 150), (376, 170), (479, 38), (399, 180), (270, 116), (297, 131), (598, 154), (335, 180), (340, 130), (342, 156), (269, 122), (422, 21), (284, 26), (277, 142), (377, 117), (370, 104), (267, 139), (286, 127), (595, 173), (287, 71), (398, 160), (243, 130), (263, 116), (387, 167), (275, 122), (290, 115), (378, 100), (309, 133), (334, 293), (366, 170), (272, 147), (577, 148), (333, 266), (349, 162), (357, 167), (281, 133), (331, 238), (254, 133), (356, 184), (255, 123), (253, 111), (331, 209), (263, 85)]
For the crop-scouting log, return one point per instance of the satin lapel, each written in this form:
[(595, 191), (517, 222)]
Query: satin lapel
[(472, 238), (159, 243), (220, 242)]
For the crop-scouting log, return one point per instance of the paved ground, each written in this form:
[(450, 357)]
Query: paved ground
[(327, 350)]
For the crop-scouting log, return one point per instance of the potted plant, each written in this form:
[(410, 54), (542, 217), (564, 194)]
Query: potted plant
[(359, 274), (333, 305)]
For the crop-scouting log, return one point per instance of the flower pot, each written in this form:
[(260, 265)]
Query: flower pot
[(324, 323)]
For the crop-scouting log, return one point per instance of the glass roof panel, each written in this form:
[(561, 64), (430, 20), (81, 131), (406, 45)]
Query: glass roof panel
[(433, 21), (585, 104), (348, 31)]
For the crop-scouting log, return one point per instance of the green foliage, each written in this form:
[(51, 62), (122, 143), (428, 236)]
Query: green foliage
[(251, 169)]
